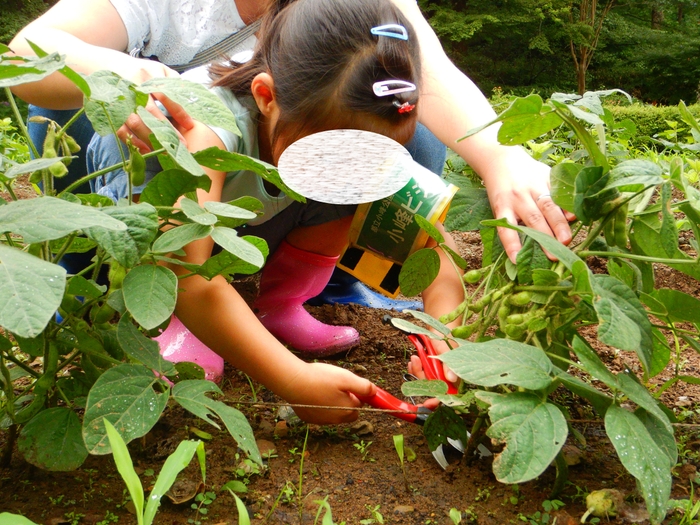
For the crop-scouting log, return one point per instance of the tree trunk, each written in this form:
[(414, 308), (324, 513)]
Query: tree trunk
[(657, 16)]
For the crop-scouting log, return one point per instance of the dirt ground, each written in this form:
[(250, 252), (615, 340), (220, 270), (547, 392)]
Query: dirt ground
[(356, 466)]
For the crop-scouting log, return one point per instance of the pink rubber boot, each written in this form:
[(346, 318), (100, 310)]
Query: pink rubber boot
[(290, 277), (178, 344)]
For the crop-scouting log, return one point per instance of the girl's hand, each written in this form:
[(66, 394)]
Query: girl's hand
[(415, 367), (327, 385), (138, 71)]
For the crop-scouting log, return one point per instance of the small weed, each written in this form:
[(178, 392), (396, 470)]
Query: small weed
[(688, 509), (109, 518), (288, 493), (375, 516), (56, 500), (201, 505), (73, 518), (364, 450), (483, 494), (542, 518)]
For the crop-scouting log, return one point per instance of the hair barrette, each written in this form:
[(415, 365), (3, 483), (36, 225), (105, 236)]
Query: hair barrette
[(384, 88), (406, 107), (391, 30)]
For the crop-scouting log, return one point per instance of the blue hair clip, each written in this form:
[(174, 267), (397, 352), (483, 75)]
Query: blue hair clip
[(392, 87), (391, 30)]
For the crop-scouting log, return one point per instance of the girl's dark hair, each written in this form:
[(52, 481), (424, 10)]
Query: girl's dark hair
[(324, 61)]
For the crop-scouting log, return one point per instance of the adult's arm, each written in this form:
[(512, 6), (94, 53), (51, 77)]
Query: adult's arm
[(451, 104), (93, 37)]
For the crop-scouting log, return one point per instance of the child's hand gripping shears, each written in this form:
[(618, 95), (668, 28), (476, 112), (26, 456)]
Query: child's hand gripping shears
[(418, 414)]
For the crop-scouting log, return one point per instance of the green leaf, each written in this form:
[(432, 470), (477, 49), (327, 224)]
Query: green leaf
[(150, 292), (125, 466), (669, 232), (430, 229), (642, 458), (52, 440), (32, 166), (660, 433), (196, 213), (226, 210), (592, 363), (29, 70), (469, 207), (123, 395), (623, 322), (679, 306), (176, 463), (562, 180), (661, 354), (592, 196), (419, 271), (168, 138), (229, 265), (424, 388), (48, 218), (529, 258), (31, 291), (598, 399), (532, 430), (221, 160), (202, 104), (410, 328), (175, 238), (430, 321), (230, 241), (635, 175), (79, 285), (127, 247), (500, 362), (549, 243), (442, 424), (243, 518), (13, 519), (647, 240), (169, 185), (112, 99), (192, 395), (141, 348)]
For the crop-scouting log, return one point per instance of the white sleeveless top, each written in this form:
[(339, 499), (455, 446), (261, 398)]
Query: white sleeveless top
[(175, 30)]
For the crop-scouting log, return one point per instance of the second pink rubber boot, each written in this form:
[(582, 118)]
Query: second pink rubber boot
[(290, 277), (178, 344)]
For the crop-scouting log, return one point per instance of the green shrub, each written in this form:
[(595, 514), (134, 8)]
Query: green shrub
[(650, 120)]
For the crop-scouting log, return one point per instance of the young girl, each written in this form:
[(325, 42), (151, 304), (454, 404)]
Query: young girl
[(315, 68)]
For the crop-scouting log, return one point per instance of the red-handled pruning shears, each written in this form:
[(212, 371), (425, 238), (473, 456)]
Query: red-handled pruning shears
[(413, 413)]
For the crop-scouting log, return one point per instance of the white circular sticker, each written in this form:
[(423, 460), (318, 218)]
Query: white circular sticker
[(346, 166)]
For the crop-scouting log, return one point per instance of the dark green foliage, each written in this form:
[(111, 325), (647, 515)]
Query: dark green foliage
[(650, 120), (18, 13), (523, 46)]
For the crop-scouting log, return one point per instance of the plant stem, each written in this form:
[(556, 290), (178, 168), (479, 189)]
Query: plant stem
[(95, 174), (70, 122), (634, 256), (301, 475), (20, 122)]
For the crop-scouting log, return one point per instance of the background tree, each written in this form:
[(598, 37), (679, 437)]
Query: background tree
[(585, 24)]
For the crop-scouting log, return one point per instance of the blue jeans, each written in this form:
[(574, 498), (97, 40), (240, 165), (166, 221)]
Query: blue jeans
[(103, 152), (81, 130)]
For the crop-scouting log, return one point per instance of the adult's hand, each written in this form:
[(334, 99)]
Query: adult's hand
[(520, 193)]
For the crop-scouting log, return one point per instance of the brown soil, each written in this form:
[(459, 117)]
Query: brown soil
[(334, 465)]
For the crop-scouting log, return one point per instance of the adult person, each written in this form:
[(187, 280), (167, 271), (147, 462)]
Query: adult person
[(97, 34)]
